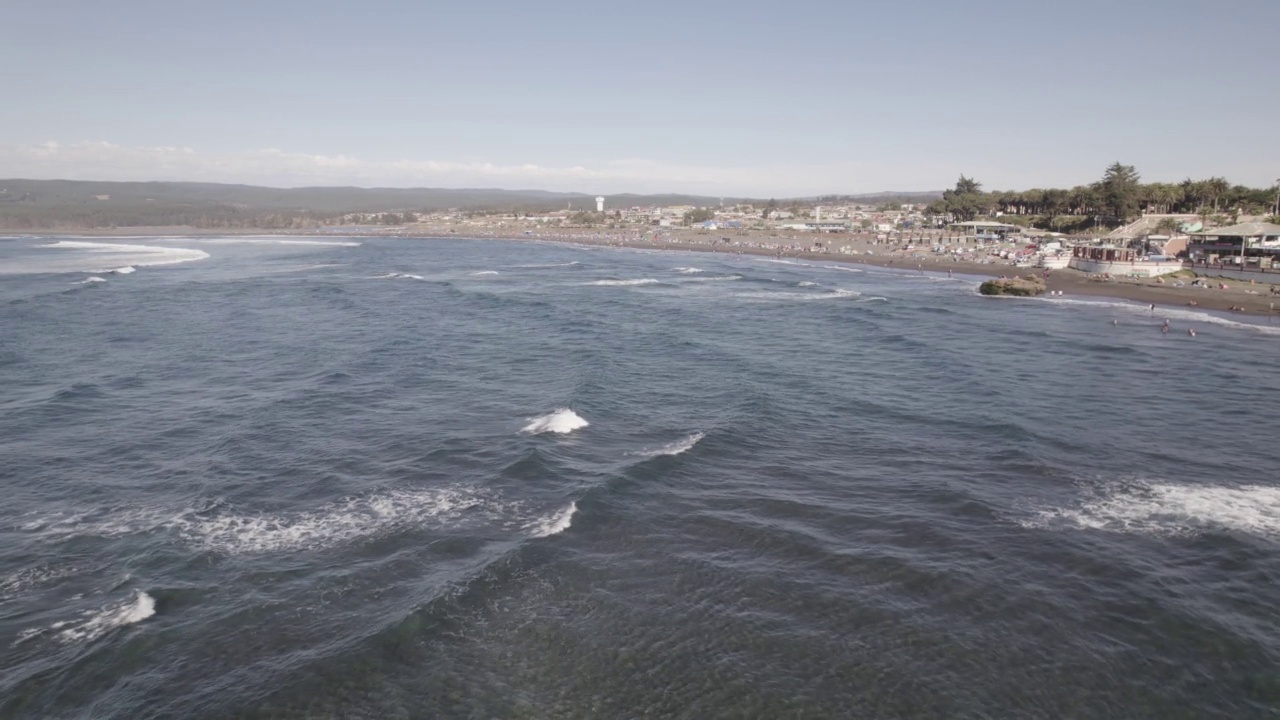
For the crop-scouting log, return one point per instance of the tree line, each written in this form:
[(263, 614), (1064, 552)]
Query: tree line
[(1117, 198)]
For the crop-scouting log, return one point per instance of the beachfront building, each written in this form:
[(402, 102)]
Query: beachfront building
[(828, 226), (1247, 242), (984, 230), (1120, 262)]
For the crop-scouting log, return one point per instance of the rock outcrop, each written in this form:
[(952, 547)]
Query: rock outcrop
[(1021, 287)]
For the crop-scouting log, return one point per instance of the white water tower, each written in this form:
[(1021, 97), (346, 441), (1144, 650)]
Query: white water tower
[(599, 204)]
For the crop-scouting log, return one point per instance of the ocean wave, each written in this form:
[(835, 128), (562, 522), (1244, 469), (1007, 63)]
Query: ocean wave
[(332, 524), (485, 272), (1170, 509), (713, 278), (30, 577), (90, 280), (682, 445), (561, 421), (836, 294), (95, 624), (272, 240), (555, 523), (806, 283), (549, 265), (1164, 312), (223, 529), (397, 276), (612, 283), (134, 256), (688, 270)]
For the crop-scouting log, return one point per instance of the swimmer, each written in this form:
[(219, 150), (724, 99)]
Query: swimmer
[(1191, 332)]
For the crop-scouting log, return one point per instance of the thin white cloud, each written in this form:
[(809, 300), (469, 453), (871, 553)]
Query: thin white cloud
[(279, 168)]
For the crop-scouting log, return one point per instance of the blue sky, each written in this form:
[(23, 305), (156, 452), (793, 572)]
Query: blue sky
[(775, 99)]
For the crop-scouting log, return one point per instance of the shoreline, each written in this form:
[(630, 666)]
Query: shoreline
[(1253, 298)]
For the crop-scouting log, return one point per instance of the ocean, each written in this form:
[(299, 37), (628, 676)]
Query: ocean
[(263, 477)]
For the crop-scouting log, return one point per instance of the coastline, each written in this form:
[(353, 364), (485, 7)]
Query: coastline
[(1255, 298)]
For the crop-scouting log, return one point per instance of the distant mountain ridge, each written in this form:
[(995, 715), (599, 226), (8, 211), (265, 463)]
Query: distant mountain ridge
[(87, 203)]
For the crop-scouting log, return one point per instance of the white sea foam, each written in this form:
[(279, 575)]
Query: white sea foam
[(555, 524), (121, 259), (551, 265), (486, 272), (304, 268), (1171, 509), (682, 445), (273, 240), (232, 531), (329, 525), (97, 623), (806, 283), (1163, 312), (397, 276), (31, 577), (561, 421), (91, 279), (639, 281), (688, 270), (712, 278), (836, 294), (875, 298)]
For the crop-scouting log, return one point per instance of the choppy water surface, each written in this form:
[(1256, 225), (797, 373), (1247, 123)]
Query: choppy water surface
[(393, 478)]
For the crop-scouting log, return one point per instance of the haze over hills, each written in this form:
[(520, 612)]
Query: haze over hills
[(36, 204)]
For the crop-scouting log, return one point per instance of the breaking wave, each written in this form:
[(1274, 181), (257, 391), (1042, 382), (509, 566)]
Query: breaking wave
[(95, 624), (1165, 312), (331, 524), (224, 530), (91, 279), (837, 294), (561, 421), (486, 272), (640, 281), (397, 276), (555, 524), (713, 278), (688, 270), (1171, 509), (134, 256), (674, 448)]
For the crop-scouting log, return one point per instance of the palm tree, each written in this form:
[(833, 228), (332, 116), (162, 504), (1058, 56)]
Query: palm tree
[(1216, 187), (1168, 226)]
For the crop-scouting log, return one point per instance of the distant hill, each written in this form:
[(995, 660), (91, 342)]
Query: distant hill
[(88, 204)]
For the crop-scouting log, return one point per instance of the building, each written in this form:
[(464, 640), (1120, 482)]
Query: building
[(599, 204), (985, 229), (1246, 240)]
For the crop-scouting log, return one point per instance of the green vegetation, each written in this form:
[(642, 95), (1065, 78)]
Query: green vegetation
[(1118, 197), (699, 215), (73, 204)]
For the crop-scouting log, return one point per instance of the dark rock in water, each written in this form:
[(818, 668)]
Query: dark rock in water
[(1022, 287)]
